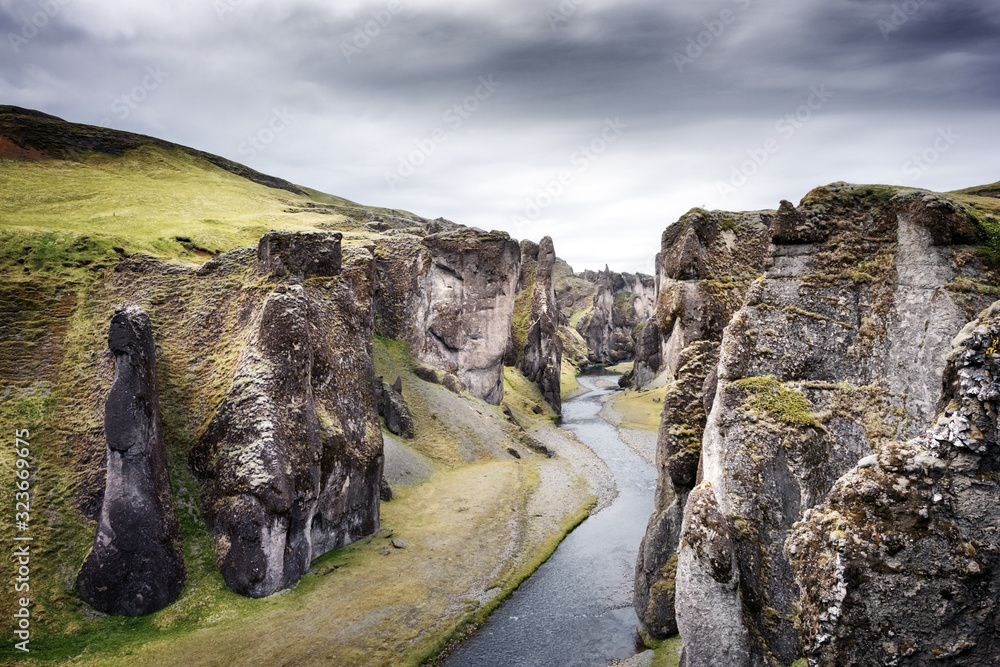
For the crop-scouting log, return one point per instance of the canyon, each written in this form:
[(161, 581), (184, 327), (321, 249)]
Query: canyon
[(232, 405)]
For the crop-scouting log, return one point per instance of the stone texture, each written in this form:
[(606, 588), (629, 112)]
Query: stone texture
[(294, 255), (900, 565), (392, 406), (704, 272), (707, 567), (291, 458), (621, 303), (136, 565), (450, 295), (838, 350)]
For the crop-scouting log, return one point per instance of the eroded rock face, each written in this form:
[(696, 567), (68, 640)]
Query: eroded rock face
[(621, 303), (296, 255), (901, 563), (838, 350), (451, 296), (706, 266), (136, 565), (292, 457), (707, 566), (541, 355)]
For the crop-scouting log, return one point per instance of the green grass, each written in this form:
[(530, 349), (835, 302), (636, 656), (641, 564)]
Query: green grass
[(620, 369), (145, 199), (667, 653), (575, 319), (567, 379)]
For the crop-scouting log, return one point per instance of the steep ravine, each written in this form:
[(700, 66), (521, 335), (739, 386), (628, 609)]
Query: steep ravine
[(207, 433), (576, 609)]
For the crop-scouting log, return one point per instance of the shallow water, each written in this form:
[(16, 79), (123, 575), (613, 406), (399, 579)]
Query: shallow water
[(577, 608)]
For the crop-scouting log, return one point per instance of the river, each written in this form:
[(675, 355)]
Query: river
[(577, 607)]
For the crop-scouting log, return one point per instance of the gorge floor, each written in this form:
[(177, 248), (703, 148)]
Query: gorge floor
[(576, 609)]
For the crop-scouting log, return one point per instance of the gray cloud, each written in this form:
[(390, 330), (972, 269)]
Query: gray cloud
[(361, 106)]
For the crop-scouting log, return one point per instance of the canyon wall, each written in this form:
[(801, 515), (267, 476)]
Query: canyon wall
[(450, 295), (534, 346), (835, 353)]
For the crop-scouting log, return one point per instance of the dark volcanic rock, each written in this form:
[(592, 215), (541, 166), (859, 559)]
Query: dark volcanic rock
[(136, 565), (704, 272), (647, 356), (292, 457), (299, 254), (622, 302), (901, 564), (837, 353)]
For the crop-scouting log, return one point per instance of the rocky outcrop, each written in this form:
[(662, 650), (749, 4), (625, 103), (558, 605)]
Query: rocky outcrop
[(623, 301), (838, 351), (282, 254), (291, 458), (534, 346), (900, 565), (392, 406), (574, 291), (450, 295), (647, 360), (136, 565), (706, 265)]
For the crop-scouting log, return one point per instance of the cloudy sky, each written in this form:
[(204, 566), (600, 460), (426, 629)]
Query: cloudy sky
[(598, 122)]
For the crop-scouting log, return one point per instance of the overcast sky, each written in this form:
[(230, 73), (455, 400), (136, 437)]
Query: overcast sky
[(597, 122)]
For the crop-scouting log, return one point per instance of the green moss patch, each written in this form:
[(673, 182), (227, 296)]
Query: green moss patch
[(786, 405)]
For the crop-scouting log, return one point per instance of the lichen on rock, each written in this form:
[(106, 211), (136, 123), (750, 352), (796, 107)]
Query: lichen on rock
[(899, 565)]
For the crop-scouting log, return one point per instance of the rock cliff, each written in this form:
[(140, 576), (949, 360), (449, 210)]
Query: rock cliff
[(705, 267), (292, 456), (450, 295), (535, 347), (622, 302), (136, 565), (900, 565), (837, 350)]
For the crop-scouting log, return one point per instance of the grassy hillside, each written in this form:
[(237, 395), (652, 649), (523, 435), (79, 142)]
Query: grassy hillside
[(63, 182)]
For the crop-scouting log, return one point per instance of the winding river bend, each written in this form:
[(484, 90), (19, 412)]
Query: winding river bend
[(577, 608)]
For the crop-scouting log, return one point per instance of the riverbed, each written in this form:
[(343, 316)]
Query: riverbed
[(577, 608)]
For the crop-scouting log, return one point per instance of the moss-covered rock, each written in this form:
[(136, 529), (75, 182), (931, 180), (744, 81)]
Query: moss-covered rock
[(837, 350), (899, 564)]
